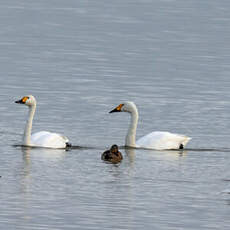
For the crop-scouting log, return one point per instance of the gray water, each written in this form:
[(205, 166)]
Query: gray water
[(80, 59)]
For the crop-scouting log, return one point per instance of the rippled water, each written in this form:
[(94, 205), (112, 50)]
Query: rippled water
[(82, 58)]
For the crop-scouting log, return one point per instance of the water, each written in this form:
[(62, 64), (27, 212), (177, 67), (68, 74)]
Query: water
[(82, 58)]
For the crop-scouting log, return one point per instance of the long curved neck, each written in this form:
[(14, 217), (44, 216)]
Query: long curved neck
[(131, 135), (28, 128)]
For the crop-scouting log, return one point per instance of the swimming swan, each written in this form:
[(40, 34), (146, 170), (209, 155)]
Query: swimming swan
[(40, 139), (154, 140)]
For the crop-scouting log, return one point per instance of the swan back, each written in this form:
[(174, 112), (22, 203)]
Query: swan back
[(48, 140), (162, 141)]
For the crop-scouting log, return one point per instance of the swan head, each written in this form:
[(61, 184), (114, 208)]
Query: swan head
[(28, 100), (127, 106)]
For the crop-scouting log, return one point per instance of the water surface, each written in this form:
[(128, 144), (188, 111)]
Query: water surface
[(81, 59)]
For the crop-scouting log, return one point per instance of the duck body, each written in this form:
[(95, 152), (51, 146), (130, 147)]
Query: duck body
[(43, 139), (112, 155), (155, 140)]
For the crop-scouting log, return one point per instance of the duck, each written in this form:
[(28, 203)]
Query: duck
[(112, 155), (157, 140), (43, 139)]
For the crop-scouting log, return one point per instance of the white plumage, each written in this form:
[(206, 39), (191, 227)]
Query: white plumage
[(155, 140), (48, 140), (162, 140), (40, 139)]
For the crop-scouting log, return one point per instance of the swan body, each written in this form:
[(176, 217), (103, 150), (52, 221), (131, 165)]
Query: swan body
[(155, 140), (49, 140), (40, 139), (162, 140)]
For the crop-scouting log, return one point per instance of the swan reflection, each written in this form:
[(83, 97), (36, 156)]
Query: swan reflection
[(159, 154), (30, 154), (131, 154)]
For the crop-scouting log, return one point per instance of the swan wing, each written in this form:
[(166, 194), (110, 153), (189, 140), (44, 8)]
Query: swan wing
[(162, 141), (49, 140)]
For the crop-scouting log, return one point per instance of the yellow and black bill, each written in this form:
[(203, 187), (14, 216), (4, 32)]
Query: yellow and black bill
[(22, 101), (117, 109)]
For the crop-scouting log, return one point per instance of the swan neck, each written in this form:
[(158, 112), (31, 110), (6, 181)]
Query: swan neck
[(131, 135), (28, 128)]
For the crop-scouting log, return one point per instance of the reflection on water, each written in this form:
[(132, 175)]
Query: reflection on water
[(30, 155), (41, 154), (79, 58), (173, 154), (26, 159), (167, 154), (130, 152), (45, 153)]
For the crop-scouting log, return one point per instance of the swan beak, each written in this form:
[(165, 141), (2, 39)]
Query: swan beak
[(114, 110), (117, 109), (22, 101)]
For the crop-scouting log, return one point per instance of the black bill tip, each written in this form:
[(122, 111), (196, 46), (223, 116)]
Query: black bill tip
[(19, 102), (115, 110)]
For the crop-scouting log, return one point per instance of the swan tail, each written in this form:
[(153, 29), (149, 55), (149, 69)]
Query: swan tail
[(185, 140), (68, 145)]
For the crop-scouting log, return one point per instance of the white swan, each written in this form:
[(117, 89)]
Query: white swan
[(40, 139), (154, 140)]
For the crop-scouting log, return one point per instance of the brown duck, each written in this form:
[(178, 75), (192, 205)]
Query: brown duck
[(112, 155)]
